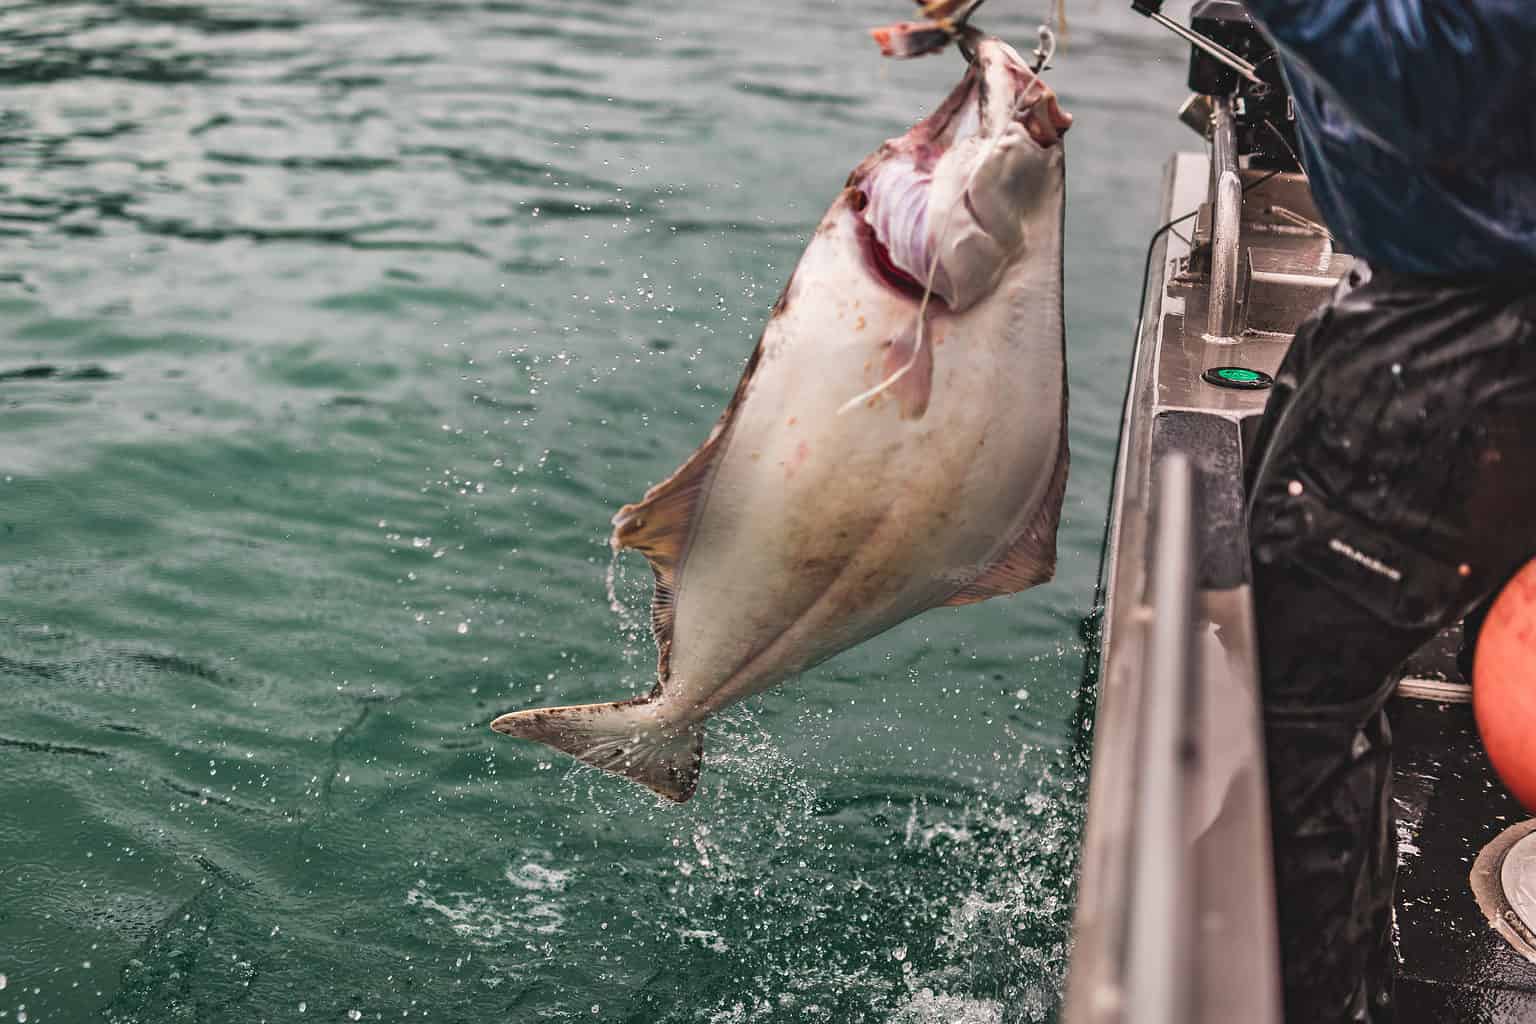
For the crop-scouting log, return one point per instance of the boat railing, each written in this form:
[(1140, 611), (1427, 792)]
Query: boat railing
[(1226, 223), (1160, 910)]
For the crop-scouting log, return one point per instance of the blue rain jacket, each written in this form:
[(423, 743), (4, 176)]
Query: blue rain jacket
[(1417, 122)]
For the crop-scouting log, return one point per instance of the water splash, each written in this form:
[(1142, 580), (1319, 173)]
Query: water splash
[(497, 920), (634, 625)]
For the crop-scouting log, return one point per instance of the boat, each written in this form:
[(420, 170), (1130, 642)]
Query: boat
[(1175, 921)]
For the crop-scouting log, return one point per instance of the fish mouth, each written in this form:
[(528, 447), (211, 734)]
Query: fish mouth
[(1012, 91), (998, 90), (963, 176)]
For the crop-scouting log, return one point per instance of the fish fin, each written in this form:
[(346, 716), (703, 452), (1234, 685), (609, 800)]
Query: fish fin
[(915, 385), (659, 527), (1031, 559), (660, 524), (906, 374), (626, 737)]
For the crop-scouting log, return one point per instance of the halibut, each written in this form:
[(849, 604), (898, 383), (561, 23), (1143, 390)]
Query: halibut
[(897, 442)]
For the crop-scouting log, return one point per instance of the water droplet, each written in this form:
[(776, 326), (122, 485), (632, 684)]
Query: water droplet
[(303, 1006), (1021, 694), (463, 628)]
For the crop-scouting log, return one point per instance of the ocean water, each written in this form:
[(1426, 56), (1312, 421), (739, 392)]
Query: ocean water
[(331, 334)]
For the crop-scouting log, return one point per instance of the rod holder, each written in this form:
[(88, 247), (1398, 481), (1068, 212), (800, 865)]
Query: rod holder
[(1226, 222)]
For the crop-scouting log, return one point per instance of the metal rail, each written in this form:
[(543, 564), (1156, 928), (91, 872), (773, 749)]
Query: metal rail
[(1226, 220), (1209, 45), (1160, 913)]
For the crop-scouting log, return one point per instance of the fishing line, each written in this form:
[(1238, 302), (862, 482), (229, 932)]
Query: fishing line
[(1047, 48)]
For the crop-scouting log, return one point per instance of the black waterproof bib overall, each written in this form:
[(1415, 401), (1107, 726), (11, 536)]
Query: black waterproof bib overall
[(1392, 488)]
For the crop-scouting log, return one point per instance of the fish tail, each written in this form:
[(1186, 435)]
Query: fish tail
[(629, 738)]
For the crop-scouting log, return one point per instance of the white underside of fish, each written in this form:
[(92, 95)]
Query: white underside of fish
[(819, 529)]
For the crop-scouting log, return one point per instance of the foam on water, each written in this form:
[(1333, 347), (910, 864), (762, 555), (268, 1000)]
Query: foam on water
[(927, 1008), (485, 921)]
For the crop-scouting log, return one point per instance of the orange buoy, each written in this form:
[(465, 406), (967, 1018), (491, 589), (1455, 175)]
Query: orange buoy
[(1504, 685)]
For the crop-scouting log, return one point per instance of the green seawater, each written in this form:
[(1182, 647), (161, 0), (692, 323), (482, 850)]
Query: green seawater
[(331, 334)]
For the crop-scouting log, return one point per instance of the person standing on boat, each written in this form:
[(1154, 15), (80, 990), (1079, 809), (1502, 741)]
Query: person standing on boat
[(1393, 485)]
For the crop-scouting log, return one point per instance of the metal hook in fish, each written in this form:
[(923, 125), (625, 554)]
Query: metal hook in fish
[(1044, 50)]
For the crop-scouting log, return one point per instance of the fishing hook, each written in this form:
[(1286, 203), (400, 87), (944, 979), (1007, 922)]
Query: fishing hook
[(1044, 50)]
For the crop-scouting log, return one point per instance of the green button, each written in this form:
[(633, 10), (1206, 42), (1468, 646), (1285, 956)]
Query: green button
[(1239, 377)]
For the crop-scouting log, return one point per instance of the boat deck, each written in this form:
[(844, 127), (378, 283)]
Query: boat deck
[(1453, 968)]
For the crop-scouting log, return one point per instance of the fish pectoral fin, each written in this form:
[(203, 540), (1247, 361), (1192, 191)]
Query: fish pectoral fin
[(908, 369), (906, 372), (658, 526), (627, 738), (1031, 559)]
